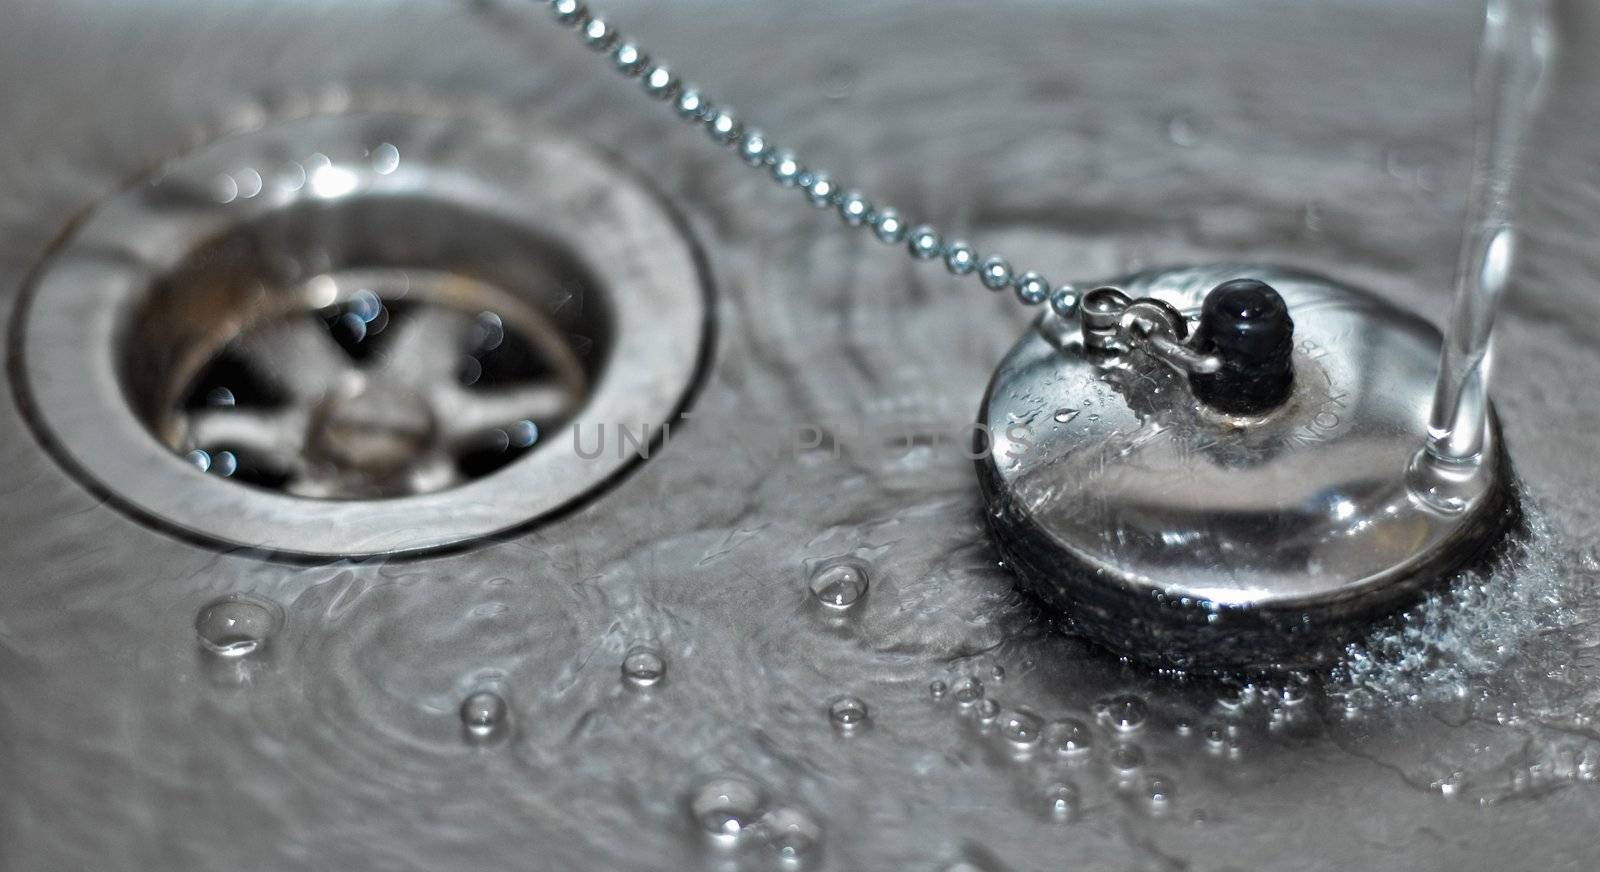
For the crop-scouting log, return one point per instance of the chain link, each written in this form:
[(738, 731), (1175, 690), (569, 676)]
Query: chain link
[(923, 242)]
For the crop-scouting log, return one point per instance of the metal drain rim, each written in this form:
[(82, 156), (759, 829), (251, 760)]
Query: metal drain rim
[(65, 368)]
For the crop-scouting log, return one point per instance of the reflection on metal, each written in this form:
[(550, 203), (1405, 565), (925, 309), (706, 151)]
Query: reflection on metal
[(359, 309), (1189, 538)]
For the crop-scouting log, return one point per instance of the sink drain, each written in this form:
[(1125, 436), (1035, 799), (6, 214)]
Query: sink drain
[(362, 334)]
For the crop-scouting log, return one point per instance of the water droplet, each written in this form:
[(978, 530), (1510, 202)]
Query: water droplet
[(1125, 712), (937, 689), (988, 710), (224, 189), (1064, 800), (1127, 758), (969, 690), (488, 332), (1158, 791), (483, 715), (726, 807), (847, 713), (385, 159), (1181, 131), (1450, 785), (1069, 736), (839, 585), (200, 459), (235, 626), (1587, 765), (793, 834), (1215, 735), (997, 673), (643, 666), (366, 305), (352, 325), (1235, 697), (1356, 702), (1021, 727), (523, 434)]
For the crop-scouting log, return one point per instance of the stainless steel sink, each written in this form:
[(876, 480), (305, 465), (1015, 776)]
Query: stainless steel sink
[(783, 639)]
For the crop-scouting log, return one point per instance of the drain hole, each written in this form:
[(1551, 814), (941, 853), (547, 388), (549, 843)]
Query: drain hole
[(365, 354), (365, 349)]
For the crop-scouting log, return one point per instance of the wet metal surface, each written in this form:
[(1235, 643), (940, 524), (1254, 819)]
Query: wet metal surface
[(677, 675), (281, 296), (1187, 538)]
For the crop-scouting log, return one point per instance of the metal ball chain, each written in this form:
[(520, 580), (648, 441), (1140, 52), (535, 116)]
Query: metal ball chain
[(923, 242)]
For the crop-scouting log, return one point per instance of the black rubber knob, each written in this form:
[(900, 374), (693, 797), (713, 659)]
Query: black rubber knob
[(1246, 323)]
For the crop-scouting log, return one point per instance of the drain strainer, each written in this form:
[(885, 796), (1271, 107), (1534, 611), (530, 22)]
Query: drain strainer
[(363, 334)]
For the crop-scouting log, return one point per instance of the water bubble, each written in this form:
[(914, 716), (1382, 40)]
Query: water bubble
[(1068, 736), (847, 713), (793, 834), (1021, 727), (726, 807), (1124, 712), (1215, 735), (643, 666), (969, 690), (201, 459), (839, 585), (1064, 800), (997, 673), (235, 626), (988, 710), (483, 715), (220, 397), (937, 689)]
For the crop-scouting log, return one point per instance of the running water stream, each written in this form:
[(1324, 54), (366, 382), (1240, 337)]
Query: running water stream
[(1508, 83)]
